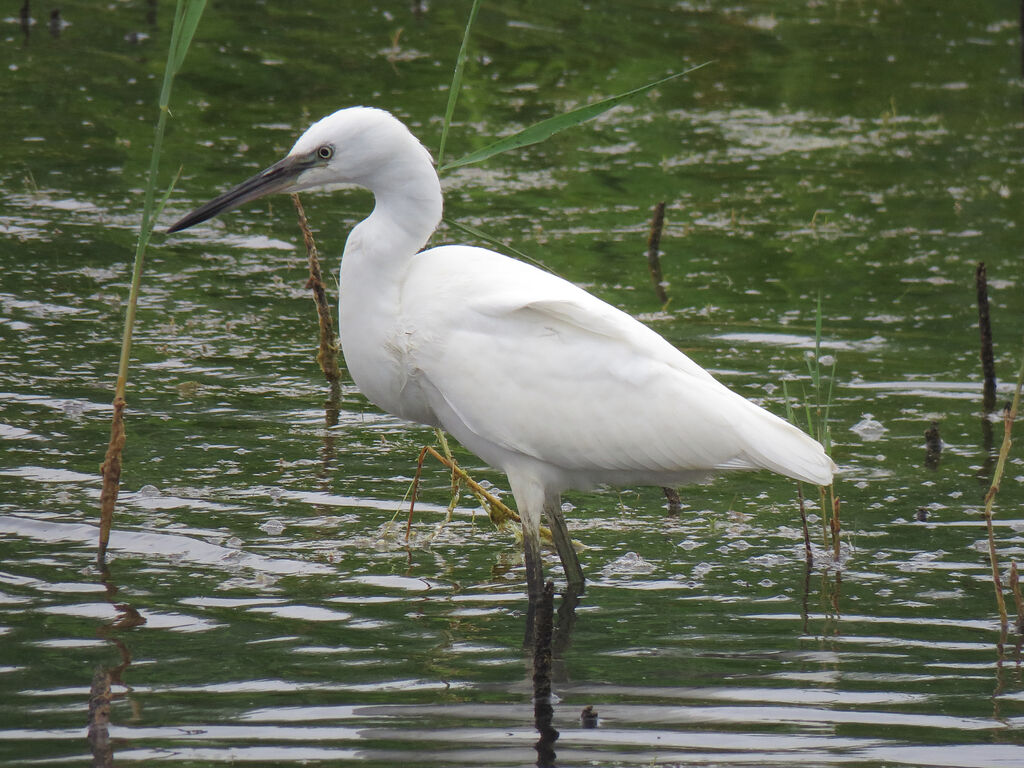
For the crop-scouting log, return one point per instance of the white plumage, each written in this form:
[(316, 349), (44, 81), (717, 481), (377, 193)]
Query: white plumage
[(534, 375)]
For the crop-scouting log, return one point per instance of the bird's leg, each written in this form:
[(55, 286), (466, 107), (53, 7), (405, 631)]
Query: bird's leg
[(563, 543), (531, 554), (530, 501)]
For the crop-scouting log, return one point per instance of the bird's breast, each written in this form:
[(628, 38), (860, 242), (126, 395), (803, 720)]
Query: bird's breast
[(382, 362)]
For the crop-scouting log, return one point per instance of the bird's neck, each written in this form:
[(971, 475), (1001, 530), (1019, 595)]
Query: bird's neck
[(377, 257), (380, 248), (407, 211)]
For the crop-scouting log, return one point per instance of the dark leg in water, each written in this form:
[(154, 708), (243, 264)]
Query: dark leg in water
[(563, 543)]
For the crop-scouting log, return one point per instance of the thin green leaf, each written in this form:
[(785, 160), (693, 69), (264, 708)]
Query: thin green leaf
[(456, 86), (790, 414), (186, 23), (481, 235), (163, 200), (817, 353), (546, 128), (186, 18), (807, 412), (828, 408), (187, 14)]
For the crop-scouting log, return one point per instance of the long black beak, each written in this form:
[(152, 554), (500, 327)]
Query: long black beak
[(277, 178)]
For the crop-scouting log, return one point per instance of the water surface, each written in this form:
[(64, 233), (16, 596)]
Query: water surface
[(262, 606)]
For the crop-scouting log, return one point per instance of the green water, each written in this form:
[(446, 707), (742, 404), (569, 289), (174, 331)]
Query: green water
[(870, 151)]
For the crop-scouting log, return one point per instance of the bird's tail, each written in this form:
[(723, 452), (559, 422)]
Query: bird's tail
[(773, 443)]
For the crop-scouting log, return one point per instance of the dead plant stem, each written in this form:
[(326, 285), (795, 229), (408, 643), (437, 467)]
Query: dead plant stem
[(1009, 414), (327, 356)]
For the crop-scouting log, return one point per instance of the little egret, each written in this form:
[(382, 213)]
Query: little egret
[(531, 373)]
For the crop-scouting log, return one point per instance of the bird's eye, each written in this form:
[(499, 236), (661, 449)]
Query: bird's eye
[(326, 152)]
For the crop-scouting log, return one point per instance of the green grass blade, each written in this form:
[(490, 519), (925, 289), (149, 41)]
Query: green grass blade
[(163, 200), (546, 128), (186, 18), (807, 413), (481, 235), (453, 91), (187, 14), (790, 413), (828, 408), (817, 354), (186, 23)]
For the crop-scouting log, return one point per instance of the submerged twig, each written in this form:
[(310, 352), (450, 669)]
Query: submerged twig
[(327, 356), (98, 734), (933, 446)]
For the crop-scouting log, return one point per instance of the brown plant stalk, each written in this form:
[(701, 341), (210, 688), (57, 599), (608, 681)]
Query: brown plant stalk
[(1009, 414), (327, 356)]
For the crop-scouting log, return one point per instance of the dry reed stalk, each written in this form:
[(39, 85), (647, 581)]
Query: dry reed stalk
[(1009, 414), (327, 356), (499, 512), (110, 471), (1018, 600), (187, 14)]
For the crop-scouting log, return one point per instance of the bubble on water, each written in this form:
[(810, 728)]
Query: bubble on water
[(273, 527), (869, 428), (148, 491), (701, 569), (234, 543), (629, 563), (767, 560)]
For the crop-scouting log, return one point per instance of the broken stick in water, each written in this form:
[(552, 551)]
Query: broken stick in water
[(988, 367), (654, 252), (932, 446)]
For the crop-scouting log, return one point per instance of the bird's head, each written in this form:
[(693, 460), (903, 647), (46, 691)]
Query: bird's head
[(357, 145)]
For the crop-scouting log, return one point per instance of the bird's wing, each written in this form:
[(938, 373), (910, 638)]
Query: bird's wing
[(537, 366)]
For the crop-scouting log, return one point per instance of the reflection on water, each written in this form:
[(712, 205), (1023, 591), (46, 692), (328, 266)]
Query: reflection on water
[(262, 604)]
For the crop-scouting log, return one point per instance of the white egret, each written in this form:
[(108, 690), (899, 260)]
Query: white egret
[(531, 373)]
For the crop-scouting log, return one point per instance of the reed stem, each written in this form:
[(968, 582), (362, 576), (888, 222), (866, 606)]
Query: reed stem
[(186, 19), (1009, 414), (327, 356)]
